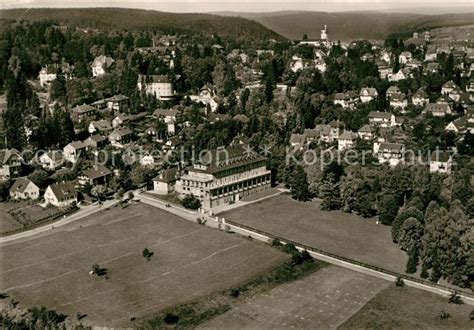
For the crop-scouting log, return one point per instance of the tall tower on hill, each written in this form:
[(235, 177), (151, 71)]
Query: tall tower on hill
[(324, 33)]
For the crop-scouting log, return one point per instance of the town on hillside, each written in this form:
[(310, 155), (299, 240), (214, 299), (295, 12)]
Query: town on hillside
[(215, 127)]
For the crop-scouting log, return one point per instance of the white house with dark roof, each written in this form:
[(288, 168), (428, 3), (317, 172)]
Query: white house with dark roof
[(398, 101), (117, 103), (382, 119), (72, 151), (389, 153), (440, 162), (51, 160), (404, 57), (346, 140), (100, 126), (391, 91), (95, 175), (420, 98), (61, 194), (159, 86), (365, 133), (165, 182), (23, 188), (437, 110), (346, 100), (448, 87), (297, 141), (368, 94)]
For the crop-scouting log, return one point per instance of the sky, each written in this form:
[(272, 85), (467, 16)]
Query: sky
[(419, 6)]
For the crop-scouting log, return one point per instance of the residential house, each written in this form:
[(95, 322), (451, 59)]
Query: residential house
[(97, 175), (120, 120), (61, 194), (399, 101), (368, 94), (320, 65), (101, 64), (441, 162), (23, 188), (365, 133), (448, 87), (297, 141), (207, 96), (159, 86), (72, 151), (118, 103), (101, 126), (120, 137), (437, 110), (169, 117), (51, 160), (401, 74), (224, 175), (384, 68), (346, 100), (391, 91), (165, 182), (346, 140), (390, 153), (47, 75), (455, 94), (382, 119), (420, 98), (83, 113), (10, 163), (95, 142), (404, 57)]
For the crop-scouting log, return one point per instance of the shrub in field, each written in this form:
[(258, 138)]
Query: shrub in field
[(455, 299), (171, 318), (191, 202), (147, 254), (399, 282)]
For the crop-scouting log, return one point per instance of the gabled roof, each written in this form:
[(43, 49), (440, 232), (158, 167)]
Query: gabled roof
[(80, 109), (77, 145), (379, 114), (20, 185), (440, 156), (370, 90), (117, 98), (167, 175), (297, 138), (165, 112), (63, 190), (365, 129), (348, 135), (97, 172), (437, 107), (102, 125), (55, 156), (103, 60), (420, 94), (395, 147), (6, 154)]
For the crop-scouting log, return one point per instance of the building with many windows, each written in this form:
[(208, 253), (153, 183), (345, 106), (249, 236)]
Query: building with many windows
[(224, 175)]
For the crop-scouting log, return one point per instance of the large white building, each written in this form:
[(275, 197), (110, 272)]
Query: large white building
[(224, 175), (158, 85)]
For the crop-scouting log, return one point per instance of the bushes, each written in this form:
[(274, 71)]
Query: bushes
[(191, 202)]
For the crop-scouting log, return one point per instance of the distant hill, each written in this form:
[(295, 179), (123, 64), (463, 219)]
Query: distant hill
[(351, 25), (134, 19)]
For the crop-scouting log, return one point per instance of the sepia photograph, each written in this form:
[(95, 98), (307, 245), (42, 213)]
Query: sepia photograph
[(222, 164)]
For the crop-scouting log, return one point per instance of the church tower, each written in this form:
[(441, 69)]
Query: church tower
[(324, 33)]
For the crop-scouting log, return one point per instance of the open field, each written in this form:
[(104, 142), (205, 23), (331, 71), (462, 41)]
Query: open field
[(409, 308), (189, 261), (347, 235), (323, 300)]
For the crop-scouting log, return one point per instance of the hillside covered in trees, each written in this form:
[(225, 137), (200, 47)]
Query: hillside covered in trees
[(136, 19), (352, 25)]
